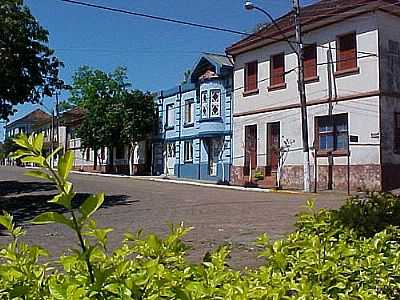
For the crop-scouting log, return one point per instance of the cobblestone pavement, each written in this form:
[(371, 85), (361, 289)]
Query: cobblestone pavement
[(218, 215)]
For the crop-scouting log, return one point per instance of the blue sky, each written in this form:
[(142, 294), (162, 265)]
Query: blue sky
[(155, 53)]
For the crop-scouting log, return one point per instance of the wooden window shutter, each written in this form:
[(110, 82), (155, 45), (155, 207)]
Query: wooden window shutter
[(278, 69), (251, 80), (347, 54), (310, 61)]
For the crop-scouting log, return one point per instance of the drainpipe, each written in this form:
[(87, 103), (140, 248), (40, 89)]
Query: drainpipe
[(180, 130)]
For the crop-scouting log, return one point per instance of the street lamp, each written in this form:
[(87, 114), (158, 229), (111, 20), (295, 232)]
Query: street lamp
[(299, 51)]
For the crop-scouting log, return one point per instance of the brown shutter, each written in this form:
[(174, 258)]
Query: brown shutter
[(251, 76), (347, 54), (278, 69), (310, 61)]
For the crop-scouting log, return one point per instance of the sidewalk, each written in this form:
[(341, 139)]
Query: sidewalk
[(175, 180)]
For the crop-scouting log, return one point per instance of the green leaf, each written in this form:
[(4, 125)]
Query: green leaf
[(39, 174), (22, 141), (52, 217), (65, 164), (63, 200), (6, 221), (48, 158), (38, 160), (38, 143), (19, 153), (91, 205)]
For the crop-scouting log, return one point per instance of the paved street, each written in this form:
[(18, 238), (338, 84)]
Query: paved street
[(217, 215)]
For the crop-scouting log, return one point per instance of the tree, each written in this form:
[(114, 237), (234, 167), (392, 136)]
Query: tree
[(28, 68), (137, 116), (97, 92)]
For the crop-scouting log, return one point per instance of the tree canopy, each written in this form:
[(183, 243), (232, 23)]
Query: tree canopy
[(28, 69)]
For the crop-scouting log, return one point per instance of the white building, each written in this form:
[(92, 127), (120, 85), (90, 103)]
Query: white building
[(365, 89)]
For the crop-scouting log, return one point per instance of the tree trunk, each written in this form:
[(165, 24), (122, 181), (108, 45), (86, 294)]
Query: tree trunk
[(95, 159), (131, 158)]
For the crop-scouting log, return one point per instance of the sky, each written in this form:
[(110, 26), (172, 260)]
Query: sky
[(155, 53)]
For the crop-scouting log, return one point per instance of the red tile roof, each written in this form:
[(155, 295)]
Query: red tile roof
[(314, 16)]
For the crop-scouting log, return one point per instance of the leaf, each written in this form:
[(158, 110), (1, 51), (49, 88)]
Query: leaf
[(65, 164), (91, 205), (19, 153), (52, 217), (38, 160), (22, 141), (48, 158), (6, 221), (38, 143), (39, 174), (63, 199)]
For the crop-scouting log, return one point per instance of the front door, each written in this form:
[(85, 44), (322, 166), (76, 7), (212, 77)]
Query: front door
[(170, 159), (250, 156), (214, 150), (274, 143)]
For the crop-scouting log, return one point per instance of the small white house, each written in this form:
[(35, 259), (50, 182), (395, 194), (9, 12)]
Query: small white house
[(358, 144)]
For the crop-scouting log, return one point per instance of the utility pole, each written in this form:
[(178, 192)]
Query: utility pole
[(303, 99)]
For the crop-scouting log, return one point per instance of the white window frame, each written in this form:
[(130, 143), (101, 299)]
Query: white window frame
[(217, 103), (189, 112), (169, 116), (205, 106), (188, 151)]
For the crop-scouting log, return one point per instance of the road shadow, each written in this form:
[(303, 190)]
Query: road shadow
[(9, 187), (26, 207)]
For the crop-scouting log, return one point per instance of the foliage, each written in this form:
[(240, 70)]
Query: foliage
[(324, 258), (28, 68)]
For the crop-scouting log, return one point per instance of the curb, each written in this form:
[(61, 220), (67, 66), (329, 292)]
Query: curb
[(192, 183)]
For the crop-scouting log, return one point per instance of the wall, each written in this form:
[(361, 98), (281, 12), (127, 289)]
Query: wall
[(390, 100), (361, 92)]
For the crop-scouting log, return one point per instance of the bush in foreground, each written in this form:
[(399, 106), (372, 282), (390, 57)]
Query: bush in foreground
[(351, 253)]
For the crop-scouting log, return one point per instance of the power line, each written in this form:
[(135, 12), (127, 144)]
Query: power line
[(187, 23), (143, 15)]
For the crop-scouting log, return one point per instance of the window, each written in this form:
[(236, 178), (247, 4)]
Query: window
[(215, 98), (347, 52), (397, 133), (170, 150), (278, 70), (251, 77), (310, 61), (170, 116), (332, 133), (204, 105), (189, 112), (188, 148)]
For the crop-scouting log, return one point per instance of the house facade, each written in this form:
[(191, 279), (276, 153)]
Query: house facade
[(105, 161), (195, 123), (352, 62)]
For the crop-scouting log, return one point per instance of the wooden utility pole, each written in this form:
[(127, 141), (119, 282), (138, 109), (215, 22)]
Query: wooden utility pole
[(303, 99)]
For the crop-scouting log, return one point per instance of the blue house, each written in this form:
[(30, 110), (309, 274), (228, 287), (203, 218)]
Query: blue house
[(195, 123)]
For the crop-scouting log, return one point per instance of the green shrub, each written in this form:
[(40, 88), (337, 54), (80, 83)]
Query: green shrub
[(351, 253)]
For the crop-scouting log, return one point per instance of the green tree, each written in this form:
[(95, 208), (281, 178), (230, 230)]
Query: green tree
[(28, 68), (97, 93), (137, 115)]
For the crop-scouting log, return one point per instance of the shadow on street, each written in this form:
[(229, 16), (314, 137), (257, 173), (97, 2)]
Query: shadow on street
[(15, 199)]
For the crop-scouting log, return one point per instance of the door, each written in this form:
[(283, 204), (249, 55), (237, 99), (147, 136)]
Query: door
[(214, 151), (250, 160), (170, 159), (274, 144)]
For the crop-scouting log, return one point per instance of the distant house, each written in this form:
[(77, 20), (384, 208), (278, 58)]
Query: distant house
[(195, 123), (107, 161), (27, 123), (362, 135)]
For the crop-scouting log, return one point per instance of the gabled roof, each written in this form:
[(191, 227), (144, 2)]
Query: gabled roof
[(73, 116), (218, 62), (35, 117), (320, 14)]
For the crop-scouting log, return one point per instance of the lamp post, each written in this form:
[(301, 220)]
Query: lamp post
[(299, 51)]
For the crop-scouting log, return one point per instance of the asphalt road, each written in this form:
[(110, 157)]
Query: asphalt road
[(218, 215)]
